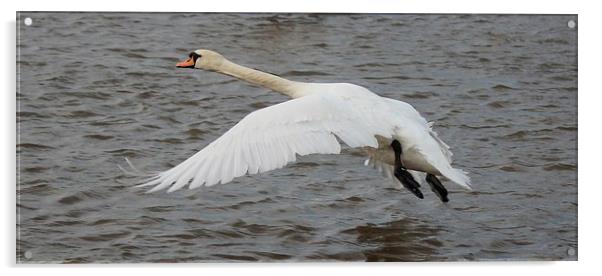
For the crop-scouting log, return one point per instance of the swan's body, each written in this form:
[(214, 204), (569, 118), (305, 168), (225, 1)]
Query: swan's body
[(310, 123)]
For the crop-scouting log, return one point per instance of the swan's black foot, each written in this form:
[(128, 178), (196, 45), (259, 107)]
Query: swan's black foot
[(400, 172), (437, 187), (407, 180)]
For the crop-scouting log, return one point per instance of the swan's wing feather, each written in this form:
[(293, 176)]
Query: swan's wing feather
[(272, 137)]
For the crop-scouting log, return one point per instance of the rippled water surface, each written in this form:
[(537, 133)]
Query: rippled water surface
[(95, 88)]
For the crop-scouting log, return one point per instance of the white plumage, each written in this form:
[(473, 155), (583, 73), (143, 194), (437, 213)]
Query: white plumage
[(312, 123)]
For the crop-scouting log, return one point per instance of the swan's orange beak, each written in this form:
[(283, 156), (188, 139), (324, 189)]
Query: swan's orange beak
[(189, 63)]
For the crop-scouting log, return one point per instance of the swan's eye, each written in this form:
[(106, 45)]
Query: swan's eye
[(194, 56)]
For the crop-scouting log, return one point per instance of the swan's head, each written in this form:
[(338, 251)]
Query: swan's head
[(202, 59)]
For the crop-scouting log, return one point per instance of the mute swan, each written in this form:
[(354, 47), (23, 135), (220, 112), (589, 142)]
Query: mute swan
[(394, 136)]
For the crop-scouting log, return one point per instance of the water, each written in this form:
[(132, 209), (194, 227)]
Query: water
[(95, 88)]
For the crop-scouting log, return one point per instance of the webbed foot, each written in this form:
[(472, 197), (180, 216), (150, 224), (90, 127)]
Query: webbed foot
[(437, 187), (402, 174)]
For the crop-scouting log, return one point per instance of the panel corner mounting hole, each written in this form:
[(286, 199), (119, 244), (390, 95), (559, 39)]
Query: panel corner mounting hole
[(572, 24)]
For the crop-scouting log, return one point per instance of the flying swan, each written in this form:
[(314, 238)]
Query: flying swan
[(394, 136)]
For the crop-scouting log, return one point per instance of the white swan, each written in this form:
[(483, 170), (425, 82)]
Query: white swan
[(311, 122)]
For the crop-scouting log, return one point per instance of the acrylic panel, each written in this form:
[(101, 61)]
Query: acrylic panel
[(96, 88)]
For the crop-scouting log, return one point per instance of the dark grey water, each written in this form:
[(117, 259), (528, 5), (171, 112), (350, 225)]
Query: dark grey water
[(95, 88)]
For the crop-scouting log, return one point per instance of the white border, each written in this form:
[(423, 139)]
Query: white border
[(589, 121), (355, 6)]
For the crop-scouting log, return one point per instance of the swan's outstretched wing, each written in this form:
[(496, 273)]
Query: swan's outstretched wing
[(270, 138)]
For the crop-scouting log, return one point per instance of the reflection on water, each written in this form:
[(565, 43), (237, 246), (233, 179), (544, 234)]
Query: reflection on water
[(98, 87), (402, 240)]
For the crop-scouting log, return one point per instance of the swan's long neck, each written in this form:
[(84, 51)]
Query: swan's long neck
[(273, 82)]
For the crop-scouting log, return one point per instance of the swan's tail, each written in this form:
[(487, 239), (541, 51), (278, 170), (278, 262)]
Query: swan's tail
[(459, 177)]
